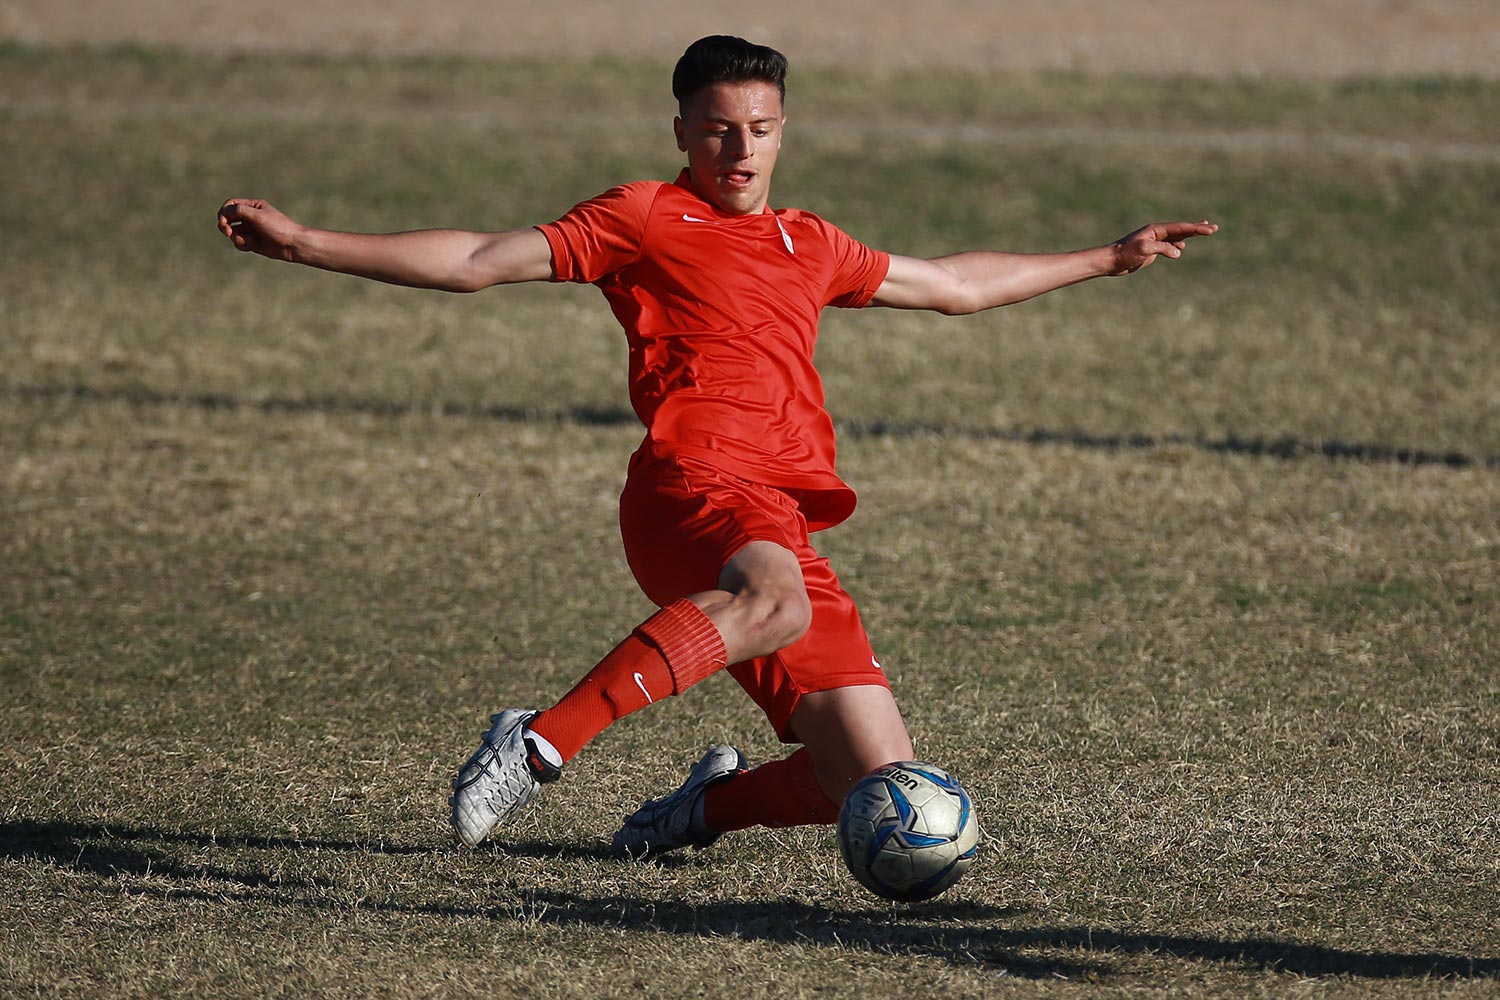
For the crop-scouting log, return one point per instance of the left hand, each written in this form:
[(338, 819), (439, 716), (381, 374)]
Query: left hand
[(1134, 251)]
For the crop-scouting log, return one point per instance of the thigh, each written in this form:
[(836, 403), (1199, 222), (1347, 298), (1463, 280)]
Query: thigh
[(682, 522)]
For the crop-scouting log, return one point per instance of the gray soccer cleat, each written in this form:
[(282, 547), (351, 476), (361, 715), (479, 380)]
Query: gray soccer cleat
[(500, 779), (676, 821)]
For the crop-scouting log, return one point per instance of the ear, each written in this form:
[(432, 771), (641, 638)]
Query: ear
[(680, 130)]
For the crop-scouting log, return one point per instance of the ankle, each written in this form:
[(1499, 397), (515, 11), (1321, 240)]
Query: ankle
[(542, 758)]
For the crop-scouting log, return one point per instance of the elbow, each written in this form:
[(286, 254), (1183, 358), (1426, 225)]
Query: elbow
[(466, 279), (958, 302), (968, 300), (957, 297)]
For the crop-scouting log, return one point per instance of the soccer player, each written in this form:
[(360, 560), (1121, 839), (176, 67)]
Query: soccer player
[(719, 296)]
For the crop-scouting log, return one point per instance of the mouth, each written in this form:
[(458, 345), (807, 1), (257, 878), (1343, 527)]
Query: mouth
[(738, 178)]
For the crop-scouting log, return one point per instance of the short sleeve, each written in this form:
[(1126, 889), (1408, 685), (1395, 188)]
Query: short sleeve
[(599, 236), (859, 271)]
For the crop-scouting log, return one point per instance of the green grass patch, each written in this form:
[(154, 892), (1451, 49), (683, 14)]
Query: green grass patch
[(1329, 309)]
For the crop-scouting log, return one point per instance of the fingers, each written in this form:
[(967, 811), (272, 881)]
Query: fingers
[(1157, 248), (1139, 248), (252, 225), (1161, 239), (239, 204), (230, 215), (238, 210), (1176, 232)]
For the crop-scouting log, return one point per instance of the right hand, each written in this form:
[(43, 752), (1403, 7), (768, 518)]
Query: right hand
[(255, 226)]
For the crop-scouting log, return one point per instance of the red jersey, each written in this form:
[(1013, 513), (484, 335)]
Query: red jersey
[(721, 315)]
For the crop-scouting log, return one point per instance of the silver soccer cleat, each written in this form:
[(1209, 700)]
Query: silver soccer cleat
[(667, 824), (500, 779)]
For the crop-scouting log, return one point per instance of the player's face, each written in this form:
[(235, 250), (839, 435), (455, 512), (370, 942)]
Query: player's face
[(731, 133)]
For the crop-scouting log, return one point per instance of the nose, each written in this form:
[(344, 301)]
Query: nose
[(738, 143)]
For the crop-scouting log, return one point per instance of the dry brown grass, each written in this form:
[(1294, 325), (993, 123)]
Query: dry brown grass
[(274, 542), (1230, 721)]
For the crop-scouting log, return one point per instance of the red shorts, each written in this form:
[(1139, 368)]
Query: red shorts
[(682, 520)]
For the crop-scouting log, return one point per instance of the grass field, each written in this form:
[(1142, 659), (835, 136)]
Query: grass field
[(276, 541)]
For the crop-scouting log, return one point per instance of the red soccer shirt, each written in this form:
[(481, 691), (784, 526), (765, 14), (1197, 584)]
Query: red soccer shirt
[(721, 314)]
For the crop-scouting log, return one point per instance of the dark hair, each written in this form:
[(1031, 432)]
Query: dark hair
[(726, 59)]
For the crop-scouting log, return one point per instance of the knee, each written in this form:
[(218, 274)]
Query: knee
[(788, 618), (777, 618)]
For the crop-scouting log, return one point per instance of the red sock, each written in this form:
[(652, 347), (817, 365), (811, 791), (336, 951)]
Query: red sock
[(781, 793), (667, 654)]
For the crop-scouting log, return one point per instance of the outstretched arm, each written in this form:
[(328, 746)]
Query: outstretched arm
[(971, 282), (449, 259)]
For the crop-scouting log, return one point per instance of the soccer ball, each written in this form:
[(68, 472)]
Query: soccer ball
[(908, 831)]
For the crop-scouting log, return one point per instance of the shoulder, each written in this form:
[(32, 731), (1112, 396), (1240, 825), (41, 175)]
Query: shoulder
[(812, 222), (633, 195), (623, 209), (838, 243), (855, 270), (647, 190), (799, 216), (599, 236)]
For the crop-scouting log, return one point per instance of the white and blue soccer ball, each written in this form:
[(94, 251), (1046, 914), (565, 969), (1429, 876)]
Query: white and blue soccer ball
[(907, 831)]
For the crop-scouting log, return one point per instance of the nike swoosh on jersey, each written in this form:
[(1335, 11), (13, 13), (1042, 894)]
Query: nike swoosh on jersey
[(692, 218)]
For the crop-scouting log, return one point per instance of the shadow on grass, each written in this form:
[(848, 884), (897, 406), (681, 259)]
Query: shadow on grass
[(1000, 938), (1285, 448), (103, 847), (61, 841), (950, 931)]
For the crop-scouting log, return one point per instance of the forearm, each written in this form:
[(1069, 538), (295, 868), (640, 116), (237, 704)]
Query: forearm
[(970, 282), (988, 279), (428, 258)]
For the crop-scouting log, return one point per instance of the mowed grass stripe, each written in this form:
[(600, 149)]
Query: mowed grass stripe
[(1293, 142), (1283, 448)]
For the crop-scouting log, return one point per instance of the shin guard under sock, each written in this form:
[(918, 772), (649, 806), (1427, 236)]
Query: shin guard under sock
[(668, 653), (781, 793)]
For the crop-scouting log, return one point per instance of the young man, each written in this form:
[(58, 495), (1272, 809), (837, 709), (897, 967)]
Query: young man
[(719, 297)]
